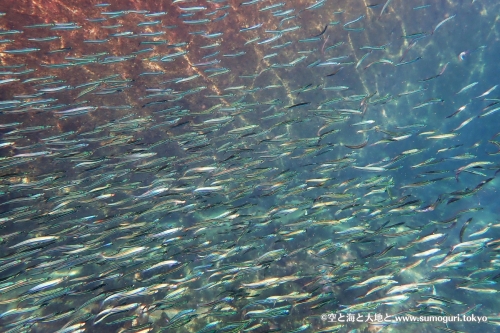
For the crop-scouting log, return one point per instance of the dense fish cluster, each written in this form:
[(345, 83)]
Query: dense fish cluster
[(249, 166)]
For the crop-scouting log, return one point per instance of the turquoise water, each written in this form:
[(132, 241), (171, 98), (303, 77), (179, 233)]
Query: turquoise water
[(226, 166)]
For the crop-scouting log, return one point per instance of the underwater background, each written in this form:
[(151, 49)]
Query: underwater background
[(249, 166)]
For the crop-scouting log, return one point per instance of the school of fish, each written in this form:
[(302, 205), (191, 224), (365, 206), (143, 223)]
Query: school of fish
[(248, 165)]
